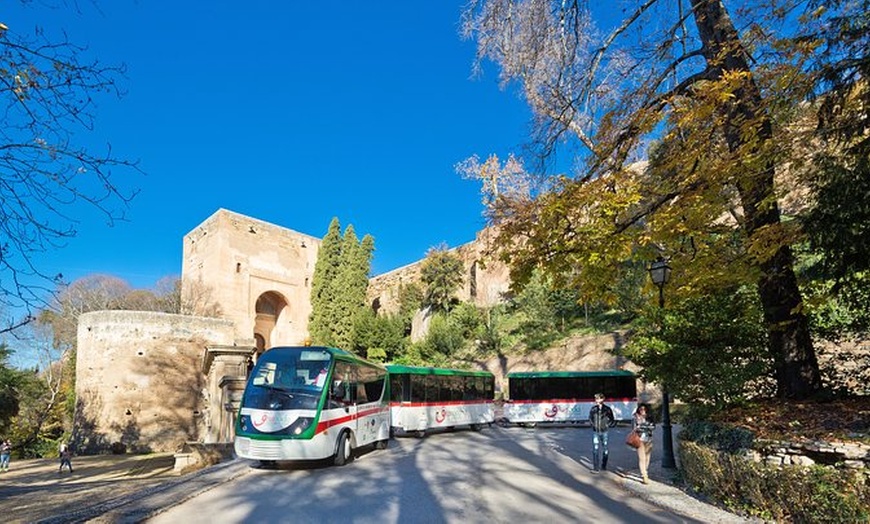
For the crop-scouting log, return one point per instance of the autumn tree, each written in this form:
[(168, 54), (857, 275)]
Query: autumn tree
[(48, 88), (713, 88), (90, 293), (98, 293), (190, 297)]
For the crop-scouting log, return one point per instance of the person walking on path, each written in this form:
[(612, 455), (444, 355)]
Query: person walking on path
[(65, 457), (5, 455), (644, 427), (601, 419)]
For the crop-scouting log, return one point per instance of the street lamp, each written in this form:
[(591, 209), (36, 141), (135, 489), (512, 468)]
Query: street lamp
[(660, 272)]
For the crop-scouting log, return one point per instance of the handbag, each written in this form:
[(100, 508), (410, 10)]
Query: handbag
[(633, 439)]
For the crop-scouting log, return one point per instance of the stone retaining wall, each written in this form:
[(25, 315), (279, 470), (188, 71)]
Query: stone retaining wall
[(854, 455)]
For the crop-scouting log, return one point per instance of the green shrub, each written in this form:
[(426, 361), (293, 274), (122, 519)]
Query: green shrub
[(675, 346), (40, 448), (376, 354), (717, 436), (783, 494)]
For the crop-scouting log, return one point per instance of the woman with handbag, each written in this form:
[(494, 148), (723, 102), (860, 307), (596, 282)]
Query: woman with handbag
[(643, 426)]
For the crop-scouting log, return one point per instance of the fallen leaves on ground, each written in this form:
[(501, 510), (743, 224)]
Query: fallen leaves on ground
[(839, 419)]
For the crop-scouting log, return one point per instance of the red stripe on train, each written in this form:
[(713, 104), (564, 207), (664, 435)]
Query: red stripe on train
[(569, 401), (439, 404), (323, 425)]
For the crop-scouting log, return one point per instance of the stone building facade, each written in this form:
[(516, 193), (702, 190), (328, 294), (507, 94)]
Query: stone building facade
[(151, 381)]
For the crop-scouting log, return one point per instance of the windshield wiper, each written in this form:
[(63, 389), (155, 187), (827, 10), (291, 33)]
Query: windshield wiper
[(280, 389)]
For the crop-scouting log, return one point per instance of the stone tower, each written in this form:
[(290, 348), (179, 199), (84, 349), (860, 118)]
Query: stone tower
[(258, 274)]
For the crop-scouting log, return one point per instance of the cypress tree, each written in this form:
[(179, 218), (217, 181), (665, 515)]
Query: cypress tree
[(358, 266), (352, 281), (339, 287), (323, 293)]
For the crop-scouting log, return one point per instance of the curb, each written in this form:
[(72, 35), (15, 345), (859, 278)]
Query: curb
[(674, 499)]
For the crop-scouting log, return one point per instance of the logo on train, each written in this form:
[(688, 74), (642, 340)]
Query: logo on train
[(441, 416), (553, 411), (261, 421)]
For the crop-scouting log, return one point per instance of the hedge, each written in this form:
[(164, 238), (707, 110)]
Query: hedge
[(783, 494)]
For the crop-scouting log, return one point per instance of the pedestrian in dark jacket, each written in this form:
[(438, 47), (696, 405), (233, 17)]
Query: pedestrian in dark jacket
[(5, 455), (65, 457), (601, 419)]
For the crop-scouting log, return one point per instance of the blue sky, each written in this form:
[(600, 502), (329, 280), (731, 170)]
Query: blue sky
[(290, 112)]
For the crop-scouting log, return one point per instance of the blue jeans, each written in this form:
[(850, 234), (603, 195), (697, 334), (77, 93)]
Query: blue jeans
[(599, 445), (4, 461)]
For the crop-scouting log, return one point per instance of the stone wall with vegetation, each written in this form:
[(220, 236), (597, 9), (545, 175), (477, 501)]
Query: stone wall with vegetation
[(485, 281), (810, 481)]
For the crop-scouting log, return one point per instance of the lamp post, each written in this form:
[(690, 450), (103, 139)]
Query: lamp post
[(660, 272)]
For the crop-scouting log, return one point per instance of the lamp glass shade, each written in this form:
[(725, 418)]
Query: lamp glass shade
[(660, 272)]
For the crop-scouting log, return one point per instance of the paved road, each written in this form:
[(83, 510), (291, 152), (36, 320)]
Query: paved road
[(498, 475)]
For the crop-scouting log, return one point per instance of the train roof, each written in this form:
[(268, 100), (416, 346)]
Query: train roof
[(421, 370), (571, 374), (335, 352)]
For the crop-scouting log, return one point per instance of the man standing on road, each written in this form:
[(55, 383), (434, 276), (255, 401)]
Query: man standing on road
[(65, 457), (5, 454), (601, 418)]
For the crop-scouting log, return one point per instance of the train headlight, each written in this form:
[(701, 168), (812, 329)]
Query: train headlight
[(300, 425)]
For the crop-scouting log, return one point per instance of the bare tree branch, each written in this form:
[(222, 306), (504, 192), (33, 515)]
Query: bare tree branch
[(48, 92)]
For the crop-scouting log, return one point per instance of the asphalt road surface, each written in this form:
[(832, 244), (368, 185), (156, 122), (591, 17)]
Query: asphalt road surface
[(501, 474)]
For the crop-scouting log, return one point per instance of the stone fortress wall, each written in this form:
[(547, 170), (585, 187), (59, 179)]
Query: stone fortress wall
[(138, 379), (485, 282)]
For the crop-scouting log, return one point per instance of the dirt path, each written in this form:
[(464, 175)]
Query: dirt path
[(33, 490)]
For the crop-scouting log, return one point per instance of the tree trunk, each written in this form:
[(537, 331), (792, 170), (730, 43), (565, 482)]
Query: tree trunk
[(789, 342)]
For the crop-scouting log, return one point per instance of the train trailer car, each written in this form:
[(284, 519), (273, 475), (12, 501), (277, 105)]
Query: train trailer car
[(428, 398), (566, 396)]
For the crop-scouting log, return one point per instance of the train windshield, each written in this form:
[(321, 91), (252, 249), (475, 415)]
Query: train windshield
[(288, 378)]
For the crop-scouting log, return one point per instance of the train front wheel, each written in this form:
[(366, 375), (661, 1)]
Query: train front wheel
[(344, 453)]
